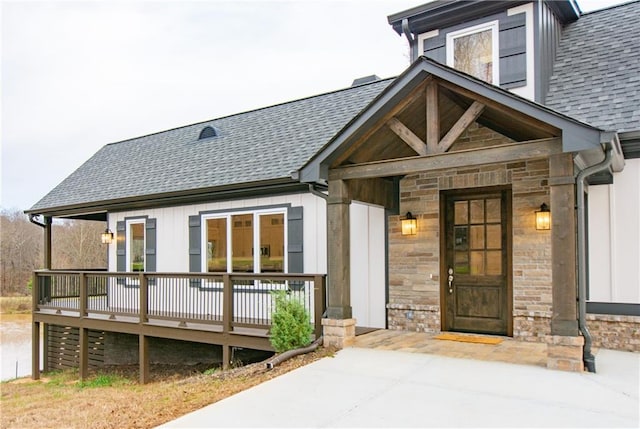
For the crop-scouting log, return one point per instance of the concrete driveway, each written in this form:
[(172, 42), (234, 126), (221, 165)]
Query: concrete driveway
[(378, 388)]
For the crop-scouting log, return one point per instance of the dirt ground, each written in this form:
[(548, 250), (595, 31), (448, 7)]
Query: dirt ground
[(113, 398)]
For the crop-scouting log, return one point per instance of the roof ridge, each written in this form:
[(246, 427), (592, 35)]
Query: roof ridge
[(609, 8), (253, 110)]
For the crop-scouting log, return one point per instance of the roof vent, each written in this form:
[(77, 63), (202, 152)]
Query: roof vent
[(366, 79), (208, 132)]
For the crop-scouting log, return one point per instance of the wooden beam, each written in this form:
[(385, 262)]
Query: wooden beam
[(373, 191), (407, 136), (513, 115), (339, 256), (460, 126), (507, 153), (396, 110), (433, 117), (564, 320)]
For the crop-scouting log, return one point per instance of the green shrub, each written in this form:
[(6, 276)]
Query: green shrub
[(290, 323)]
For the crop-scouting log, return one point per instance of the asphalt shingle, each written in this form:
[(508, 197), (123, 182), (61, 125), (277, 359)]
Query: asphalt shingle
[(258, 145), (596, 76)]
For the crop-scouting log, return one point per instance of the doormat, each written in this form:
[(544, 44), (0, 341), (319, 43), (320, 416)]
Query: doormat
[(468, 338)]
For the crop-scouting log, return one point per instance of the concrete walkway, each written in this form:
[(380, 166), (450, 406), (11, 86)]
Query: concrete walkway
[(379, 388)]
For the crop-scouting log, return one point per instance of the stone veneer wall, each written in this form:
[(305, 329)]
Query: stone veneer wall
[(615, 332), (414, 261)]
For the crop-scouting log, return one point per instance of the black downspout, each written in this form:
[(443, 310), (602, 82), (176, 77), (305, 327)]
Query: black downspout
[(587, 357), (413, 49)]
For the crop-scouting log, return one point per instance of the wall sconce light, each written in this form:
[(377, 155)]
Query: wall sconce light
[(543, 218), (107, 236), (409, 225)]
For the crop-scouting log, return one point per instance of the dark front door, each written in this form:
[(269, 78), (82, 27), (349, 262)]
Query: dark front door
[(476, 284)]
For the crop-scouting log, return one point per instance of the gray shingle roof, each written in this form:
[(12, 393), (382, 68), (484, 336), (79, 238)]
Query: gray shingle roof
[(596, 76), (258, 145)]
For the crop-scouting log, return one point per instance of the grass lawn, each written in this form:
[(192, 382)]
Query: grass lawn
[(114, 399), (15, 304)]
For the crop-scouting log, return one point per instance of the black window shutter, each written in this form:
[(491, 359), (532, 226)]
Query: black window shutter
[(513, 51), (121, 246), (150, 245), (295, 240), (195, 245)]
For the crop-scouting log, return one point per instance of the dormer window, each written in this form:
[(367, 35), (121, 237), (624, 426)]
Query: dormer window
[(474, 51), (208, 132)]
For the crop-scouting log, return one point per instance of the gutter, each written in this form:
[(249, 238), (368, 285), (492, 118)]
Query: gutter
[(587, 357), (33, 219), (317, 193)]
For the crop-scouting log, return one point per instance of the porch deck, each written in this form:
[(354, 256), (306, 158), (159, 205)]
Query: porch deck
[(226, 309), (509, 350)]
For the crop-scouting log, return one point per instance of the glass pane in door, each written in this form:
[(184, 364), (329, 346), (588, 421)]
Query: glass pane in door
[(242, 243), (272, 243), (136, 249), (217, 245)]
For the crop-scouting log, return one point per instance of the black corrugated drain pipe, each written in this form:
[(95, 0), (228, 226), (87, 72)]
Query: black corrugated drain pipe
[(276, 360), (587, 357)]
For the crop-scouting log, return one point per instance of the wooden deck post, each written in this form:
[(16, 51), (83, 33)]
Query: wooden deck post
[(144, 301), (143, 355), (47, 242), (338, 246), (226, 356), (319, 303), (35, 330), (83, 294), (44, 328), (564, 320), (84, 353), (35, 350), (227, 317)]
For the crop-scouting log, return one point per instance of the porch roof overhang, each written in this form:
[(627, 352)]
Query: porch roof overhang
[(97, 210), (505, 113)]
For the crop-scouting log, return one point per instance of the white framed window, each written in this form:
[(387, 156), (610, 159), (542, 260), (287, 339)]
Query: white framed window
[(474, 50), (245, 242), (135, 250)]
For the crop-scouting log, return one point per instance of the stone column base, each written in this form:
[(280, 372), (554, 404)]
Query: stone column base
[(338, 333), (565, 353)]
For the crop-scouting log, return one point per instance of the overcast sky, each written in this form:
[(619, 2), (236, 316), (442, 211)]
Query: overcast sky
[(77, 75)]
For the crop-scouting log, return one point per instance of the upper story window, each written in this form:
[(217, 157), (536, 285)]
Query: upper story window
[(474, 51)]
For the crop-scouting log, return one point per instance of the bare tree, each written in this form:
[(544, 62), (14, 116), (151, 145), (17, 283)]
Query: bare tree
[(76, 245), (20, 251)]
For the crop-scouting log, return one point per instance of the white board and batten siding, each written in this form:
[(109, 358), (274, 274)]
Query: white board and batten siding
[(614, 238), (172, 229), (368, 265)]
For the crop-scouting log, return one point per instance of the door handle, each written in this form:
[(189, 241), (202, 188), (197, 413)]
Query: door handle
[(450, 280)]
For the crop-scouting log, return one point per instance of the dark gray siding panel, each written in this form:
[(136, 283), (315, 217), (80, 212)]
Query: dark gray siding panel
[(513, 47), (512, 42), (150, 245), (435, 48), (295, 240), (548, 31), (121, 246), (615, 308), (195, 245)]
